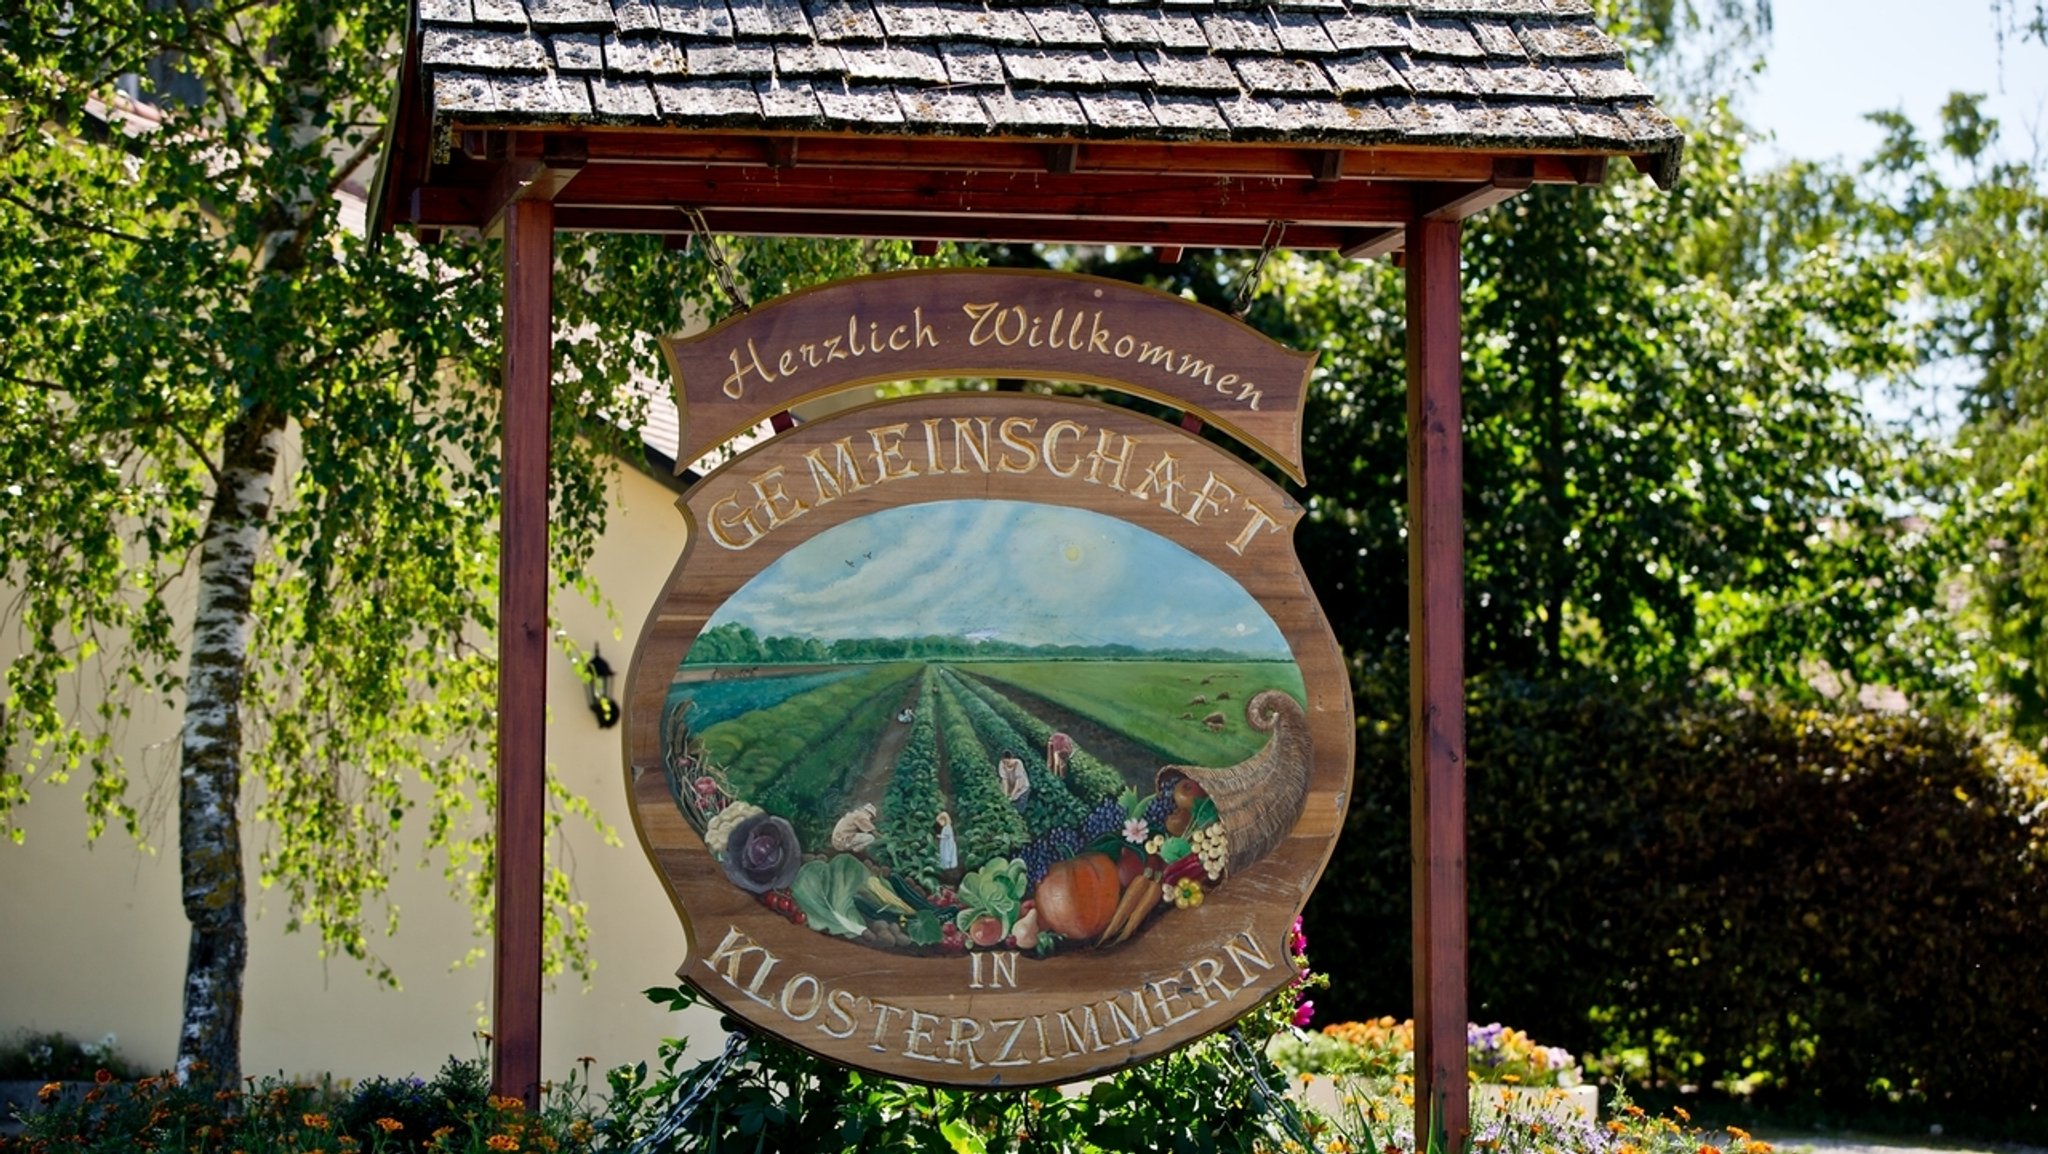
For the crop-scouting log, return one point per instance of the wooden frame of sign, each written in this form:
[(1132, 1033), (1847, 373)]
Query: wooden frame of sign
[(989, 739)]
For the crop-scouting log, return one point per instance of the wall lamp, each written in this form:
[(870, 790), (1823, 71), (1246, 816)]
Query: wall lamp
[(597, 689)]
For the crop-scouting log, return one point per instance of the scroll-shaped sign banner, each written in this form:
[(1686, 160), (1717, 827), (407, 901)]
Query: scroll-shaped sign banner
[(984, 323)]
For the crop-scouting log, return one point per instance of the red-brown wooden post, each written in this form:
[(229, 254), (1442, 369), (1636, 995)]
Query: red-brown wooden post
[(523, 647), (1436, 663)]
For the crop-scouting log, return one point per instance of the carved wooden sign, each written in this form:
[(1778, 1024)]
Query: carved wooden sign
[(988, 739), (990, 323)]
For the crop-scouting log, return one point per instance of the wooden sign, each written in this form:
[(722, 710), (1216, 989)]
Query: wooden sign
[(990, 323), (988, 739)]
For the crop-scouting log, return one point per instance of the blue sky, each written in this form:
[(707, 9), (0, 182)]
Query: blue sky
[(1831, 61), (1029, 574)]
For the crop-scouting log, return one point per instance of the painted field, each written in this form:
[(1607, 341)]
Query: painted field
[(714, 701), (1162, 704)]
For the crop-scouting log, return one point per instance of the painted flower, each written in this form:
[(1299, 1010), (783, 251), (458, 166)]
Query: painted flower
[(1136, 831), (763, 854)]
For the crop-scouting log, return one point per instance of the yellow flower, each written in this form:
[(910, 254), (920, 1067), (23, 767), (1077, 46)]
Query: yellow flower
[(1616, 1125), (49, 1092), (506, 1104), (390, 1125), (1682, 1115), (1706, 1149), (314, 1121), (502, 1142)]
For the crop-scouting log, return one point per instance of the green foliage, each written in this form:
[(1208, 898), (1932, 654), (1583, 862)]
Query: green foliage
[(48, 1056), (1816, 907), (184, 295), (1050, 805), (1144, 700), (1089, 779), (907, 841)]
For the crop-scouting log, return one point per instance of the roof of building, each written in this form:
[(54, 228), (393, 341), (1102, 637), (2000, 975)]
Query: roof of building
[(1379, 86)]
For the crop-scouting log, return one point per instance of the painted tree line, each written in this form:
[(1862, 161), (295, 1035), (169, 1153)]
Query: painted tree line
[(212, 385)]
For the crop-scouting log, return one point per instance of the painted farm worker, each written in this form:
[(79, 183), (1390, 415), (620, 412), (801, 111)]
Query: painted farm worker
[(949, 846), (1016, 782), (855, 831), (1059, 749), (906, 715)]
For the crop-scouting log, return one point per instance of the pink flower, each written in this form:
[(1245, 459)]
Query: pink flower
[(1136, 831), (1304, 1013), (707, 786), (1299, 939)]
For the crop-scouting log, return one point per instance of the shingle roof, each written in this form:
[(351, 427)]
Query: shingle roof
[(1501, 76)]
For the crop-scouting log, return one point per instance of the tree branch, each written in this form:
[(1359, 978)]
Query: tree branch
[(70, 222)]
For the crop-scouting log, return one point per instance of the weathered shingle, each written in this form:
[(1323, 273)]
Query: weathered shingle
[(715, 101), (879, 63), (1499, 74), (694, 20), (482, 49), (569, 13), (1067, 24)]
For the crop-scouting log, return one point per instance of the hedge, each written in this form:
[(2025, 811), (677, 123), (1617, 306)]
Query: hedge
[(1851, 909)]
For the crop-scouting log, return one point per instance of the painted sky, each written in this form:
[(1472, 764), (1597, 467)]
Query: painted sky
[(1024, 573)]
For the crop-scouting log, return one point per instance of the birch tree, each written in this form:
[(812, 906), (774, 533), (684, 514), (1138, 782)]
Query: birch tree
[(214, 391)]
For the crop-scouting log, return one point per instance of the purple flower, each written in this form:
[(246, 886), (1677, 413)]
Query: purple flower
[(1304, 1013), (762, 854)]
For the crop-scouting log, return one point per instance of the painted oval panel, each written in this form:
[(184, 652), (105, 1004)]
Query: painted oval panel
[(988, 740)]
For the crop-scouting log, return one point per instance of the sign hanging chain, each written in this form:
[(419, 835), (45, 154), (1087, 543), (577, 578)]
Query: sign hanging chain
[(721, 266), (672, 1126), (1276, 231)]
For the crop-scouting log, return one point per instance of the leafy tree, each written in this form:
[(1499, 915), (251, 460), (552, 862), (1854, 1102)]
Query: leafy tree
[(216, 391)]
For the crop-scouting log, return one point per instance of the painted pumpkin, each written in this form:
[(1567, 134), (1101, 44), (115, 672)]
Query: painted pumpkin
[(1078, 896)]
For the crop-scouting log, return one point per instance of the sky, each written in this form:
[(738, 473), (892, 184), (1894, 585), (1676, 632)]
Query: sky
[(1831, 61), (1028, 574)]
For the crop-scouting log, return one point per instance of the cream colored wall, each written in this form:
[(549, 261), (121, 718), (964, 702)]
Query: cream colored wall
[(92, 940)]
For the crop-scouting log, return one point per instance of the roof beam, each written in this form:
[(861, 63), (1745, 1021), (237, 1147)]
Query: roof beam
[(1374, 245), (529, 173), (1159, 234), (1511, 174)]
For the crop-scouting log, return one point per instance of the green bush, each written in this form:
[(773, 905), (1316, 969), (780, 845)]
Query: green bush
[(1850, 910)]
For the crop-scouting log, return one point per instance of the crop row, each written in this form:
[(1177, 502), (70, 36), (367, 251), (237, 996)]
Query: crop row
[(710, 702), (1089, 779), (989, 825), (908, 821), (1049, 805)]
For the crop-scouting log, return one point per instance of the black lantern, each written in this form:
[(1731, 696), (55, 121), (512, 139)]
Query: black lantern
[(597, 689)]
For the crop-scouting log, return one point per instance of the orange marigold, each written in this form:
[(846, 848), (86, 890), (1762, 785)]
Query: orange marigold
[(502, 1142), (506, 1103), (314, 1121), (390, 1125), (49, 1092)]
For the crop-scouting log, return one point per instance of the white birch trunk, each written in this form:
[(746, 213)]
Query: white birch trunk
[(210, 757)]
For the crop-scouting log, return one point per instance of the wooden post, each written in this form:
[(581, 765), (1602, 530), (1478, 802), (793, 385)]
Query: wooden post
[(1436, 662), (523, 647)]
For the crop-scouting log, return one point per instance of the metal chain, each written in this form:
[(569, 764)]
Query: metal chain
[(671, 1126), (721, 267), (1276, 231)]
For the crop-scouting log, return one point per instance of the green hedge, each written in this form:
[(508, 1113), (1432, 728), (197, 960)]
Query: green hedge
[(1850, 909)]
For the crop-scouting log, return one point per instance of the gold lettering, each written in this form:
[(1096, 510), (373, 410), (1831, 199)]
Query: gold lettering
[(817, 998), (1208, 501), (1102, 453), (897, 341), (768, 487), (840, 477), (787, 362), (722, 525), (1159, 355), (1016, 1025), (1165, 475), (832, 350), (920, 1030), (882, 1012), (1011, 440), (925, 335), (1203, 974), (1098, 338), (1164, 995), (1260, 520), (1124, 347), (982, 332), (964, 443), (1052, 436), (1194, 366), (1077, 1037), (1248, 952), (1251, 396), (853, 336), (841, 1005), (889, 459), (736, 382), (957, 1040), (733, 951), (1130, 1034)]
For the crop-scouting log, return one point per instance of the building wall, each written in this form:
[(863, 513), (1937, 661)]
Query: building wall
[(92, 939)]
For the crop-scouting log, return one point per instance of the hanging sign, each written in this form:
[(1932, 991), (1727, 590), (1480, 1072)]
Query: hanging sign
[(987, 739), (990, 323)]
